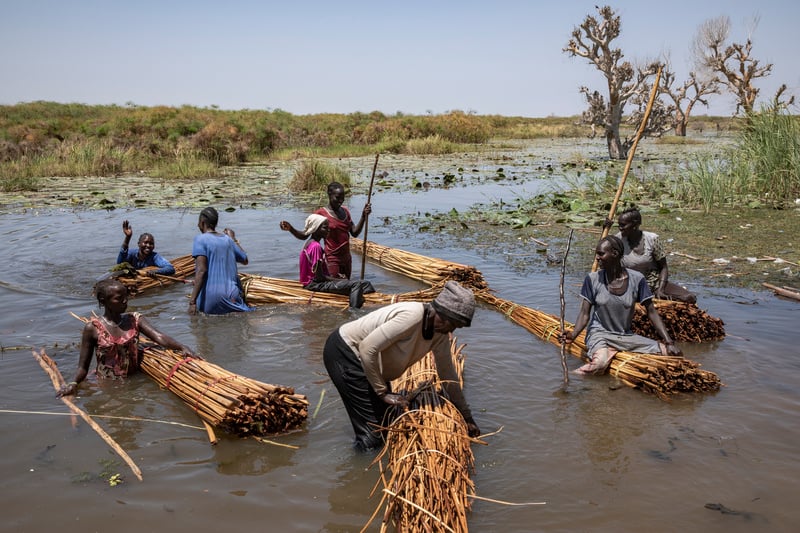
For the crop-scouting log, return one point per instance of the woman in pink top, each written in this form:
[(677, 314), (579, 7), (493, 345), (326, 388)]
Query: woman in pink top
[(314, 274), (114, 337), (341, 226)]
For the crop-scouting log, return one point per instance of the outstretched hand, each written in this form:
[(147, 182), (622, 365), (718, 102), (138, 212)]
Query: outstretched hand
[(127, 229), (285, 226)]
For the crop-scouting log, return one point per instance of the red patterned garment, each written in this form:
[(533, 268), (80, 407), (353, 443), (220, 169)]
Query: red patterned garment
[(118, 357)]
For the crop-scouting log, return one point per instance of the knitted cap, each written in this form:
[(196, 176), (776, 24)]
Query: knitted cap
[(455, 303), (313, 222)]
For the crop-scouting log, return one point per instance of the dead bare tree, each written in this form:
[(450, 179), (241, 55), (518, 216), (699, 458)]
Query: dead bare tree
[(733, 64), (684, 97), (592, 41)]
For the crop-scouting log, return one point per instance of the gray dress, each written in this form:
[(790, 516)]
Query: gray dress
[(611, 315)]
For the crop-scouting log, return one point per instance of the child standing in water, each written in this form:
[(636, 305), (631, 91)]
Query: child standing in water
[(114, 337)]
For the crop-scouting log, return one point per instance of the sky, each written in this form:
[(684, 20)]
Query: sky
[(415, 57)]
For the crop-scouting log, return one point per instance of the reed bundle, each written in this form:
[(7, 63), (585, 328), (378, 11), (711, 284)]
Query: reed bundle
[(426, 269), (260, 290), (428, 460), (655, 374), (138, 283), (235, 403), (684, 321)]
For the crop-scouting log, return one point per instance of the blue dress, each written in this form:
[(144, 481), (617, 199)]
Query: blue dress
[(221, 293), (132, 258)]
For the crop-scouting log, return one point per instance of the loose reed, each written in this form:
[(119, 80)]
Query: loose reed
[(426, 269), (652, 373), (261, 290), (428, 459), (184, 268)]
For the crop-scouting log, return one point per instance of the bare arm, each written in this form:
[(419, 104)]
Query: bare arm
[(655, 319), (162, 338), (200, 271), (285, 226), (663, 277), (568, 336), (88, 345), (355, 230)]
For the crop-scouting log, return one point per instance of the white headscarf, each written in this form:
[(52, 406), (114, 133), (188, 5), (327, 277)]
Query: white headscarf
[(313, 222)]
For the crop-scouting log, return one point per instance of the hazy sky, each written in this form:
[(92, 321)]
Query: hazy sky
[(492, 57)]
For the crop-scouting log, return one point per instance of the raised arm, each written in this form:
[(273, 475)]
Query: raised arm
[(285, 226)]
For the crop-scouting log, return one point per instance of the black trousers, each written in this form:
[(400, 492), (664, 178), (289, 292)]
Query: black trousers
[(355, 288), (366, 410)]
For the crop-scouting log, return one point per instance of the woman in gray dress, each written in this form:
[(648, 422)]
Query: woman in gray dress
[(609, 296)]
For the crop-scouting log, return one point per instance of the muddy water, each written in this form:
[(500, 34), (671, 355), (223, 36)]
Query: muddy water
[(602, 457)]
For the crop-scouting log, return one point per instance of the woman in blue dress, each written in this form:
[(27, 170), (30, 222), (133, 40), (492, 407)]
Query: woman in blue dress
[(216, 281)]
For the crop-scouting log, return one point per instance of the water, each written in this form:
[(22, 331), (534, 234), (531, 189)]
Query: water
[(603, 458)]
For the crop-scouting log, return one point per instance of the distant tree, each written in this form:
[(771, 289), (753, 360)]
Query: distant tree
[(684, 97), (592, 41), (732, 64)]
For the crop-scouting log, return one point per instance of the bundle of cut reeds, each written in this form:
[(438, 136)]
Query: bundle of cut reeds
[(685, 322), (235, 403), (138, 283), (655, 374), (428, 460), (260, 290), (426, 269)]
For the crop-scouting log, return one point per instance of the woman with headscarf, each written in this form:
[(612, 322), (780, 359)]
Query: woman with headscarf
[(314, 274), (362, 357), (216, 279), (342, 227)]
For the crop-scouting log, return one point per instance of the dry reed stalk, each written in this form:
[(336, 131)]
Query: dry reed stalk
[(655, 374), (184, 268), (426, 478), (50, 366), (261, 290), (426, 269)]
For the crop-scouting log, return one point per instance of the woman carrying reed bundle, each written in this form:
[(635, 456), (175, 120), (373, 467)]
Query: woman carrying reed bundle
[(364, 355), (115, 338), (609, 296)]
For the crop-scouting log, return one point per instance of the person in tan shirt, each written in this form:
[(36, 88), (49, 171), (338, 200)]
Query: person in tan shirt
[(364, 355)]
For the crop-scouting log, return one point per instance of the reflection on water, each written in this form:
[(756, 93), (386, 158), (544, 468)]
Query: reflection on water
[(602, 456)]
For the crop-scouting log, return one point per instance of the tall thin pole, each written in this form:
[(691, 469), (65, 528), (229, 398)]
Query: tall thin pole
[(366, 221), (628, 163), (563, 309)]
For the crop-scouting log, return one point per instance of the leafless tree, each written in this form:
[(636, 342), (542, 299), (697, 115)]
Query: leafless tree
[(684, 97), (592, 40), (732, 64)]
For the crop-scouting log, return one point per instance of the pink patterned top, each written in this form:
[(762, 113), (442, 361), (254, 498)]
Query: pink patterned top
[(118, 357)]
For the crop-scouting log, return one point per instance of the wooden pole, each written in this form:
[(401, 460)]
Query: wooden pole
[(631, 152), (366, 221), (563, 306), (51, 368)]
